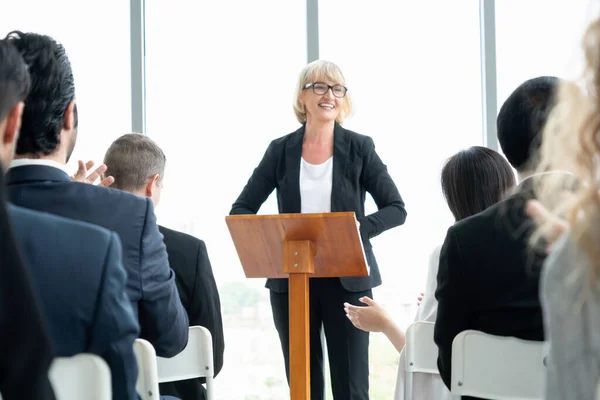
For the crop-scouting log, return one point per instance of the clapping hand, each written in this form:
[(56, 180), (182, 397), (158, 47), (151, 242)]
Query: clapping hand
[(82, 174)]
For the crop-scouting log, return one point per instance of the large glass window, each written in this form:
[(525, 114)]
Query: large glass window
[(539, 37), (414, 74), (220, 79), (100, 57)]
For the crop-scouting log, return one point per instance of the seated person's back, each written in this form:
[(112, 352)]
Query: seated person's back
[(196, 284), (488, 276), (36, 180), (138, 165), (77, 271), (472, 180)]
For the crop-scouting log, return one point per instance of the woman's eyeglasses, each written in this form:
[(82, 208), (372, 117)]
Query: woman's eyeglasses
[(321, 88)]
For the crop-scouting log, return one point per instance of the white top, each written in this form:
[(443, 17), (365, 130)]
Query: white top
[(35, 161), (315, 186), (425, 386)]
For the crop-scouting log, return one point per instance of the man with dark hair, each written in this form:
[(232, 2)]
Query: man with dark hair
[(138, 166), (76, 271), (37, 180), (22, 328), (488, 275)]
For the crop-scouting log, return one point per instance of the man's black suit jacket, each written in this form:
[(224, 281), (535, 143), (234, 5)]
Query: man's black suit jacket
[(150, 282), (25, 349), (357, 169), (188, 257), (488, 278), (78, 272)]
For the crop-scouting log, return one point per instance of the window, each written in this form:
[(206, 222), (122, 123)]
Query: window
[(537, 37), (100, 58), (414, 75), (220, 79)]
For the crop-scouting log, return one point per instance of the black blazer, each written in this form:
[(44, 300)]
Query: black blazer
[(188, 257), (357, 169), (25, 349), (77, 270), (488, 278), (150, 282)]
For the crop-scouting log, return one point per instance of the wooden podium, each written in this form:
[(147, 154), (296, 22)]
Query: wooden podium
[(299, 246)]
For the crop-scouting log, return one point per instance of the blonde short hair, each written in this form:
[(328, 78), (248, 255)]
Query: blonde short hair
[(316, 71)]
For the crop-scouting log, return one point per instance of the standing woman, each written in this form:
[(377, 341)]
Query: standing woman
[(319, 168)]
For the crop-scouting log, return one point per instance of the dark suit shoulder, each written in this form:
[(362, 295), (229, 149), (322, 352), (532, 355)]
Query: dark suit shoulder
[(54, 223), (182, 239), (111, 194), (358, 138), (506, 217)]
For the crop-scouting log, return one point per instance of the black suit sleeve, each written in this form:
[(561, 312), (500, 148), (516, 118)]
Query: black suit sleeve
[(260, 185), (378, 182), (205, 305), (453, 304)]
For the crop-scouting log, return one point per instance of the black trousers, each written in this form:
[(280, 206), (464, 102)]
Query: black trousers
[(347, 346)]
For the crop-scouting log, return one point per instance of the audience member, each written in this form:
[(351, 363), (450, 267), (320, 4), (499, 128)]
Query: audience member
[(76, 269), (37, 180), (570, 287), (138, 166), (488, 277), (472, 180)]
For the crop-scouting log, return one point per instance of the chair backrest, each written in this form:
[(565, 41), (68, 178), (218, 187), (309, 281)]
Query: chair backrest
[(83, 376), (496, 367), (147, 381), (421, 351), (195, 361), (420, 354)]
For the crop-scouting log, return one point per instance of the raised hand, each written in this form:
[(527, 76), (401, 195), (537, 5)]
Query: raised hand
[(82, 174)]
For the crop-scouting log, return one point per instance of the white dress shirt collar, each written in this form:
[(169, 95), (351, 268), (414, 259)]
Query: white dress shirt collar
[(35, 161)]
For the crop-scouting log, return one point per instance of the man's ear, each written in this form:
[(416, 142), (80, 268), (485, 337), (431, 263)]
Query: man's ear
[(152, 185), (69, 119), (13, 125)]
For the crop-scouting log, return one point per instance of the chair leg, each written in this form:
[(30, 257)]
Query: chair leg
[(210, 389), (408, 386)]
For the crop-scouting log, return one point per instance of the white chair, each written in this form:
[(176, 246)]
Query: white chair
[(147, 381), (496, 367), (82, 376), (195, 361), (421, 353)]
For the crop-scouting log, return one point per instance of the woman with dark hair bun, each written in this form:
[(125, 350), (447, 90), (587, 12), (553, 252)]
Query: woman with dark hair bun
[(472, 180)]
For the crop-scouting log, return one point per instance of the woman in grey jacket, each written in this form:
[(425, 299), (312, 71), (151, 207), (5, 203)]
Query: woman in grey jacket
[(571, 277)]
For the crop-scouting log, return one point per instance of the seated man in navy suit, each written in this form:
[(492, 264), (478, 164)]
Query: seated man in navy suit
[(138, 166), (37, 180), (22, 327), (76, 270)]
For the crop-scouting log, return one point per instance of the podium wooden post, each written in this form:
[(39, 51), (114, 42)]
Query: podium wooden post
[(298, 246)]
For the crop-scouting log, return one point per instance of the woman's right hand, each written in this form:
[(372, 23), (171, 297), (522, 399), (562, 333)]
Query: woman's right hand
[(541, 216), (369, 318)]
